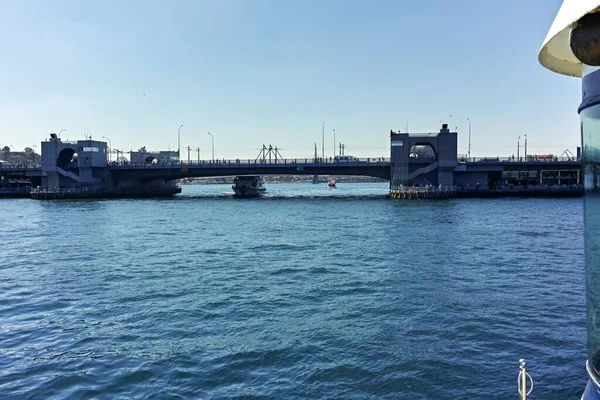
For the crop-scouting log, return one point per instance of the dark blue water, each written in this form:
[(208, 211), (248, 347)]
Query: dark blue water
[(306, 293)]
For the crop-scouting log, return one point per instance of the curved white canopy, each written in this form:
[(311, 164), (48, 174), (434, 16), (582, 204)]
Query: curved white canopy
[(556, 54)]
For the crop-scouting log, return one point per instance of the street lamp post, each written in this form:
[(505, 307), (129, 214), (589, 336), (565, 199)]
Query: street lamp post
[(179, 143), (469, 152), (525, 147), (323, 145), (188, 149), (212, 138), (518, 147), (61, 131), (109, 148), (198, 150)]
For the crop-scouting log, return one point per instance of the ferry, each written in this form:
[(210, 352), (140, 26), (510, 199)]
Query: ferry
[(248, 186)]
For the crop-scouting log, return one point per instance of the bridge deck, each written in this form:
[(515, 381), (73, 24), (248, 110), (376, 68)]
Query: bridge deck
[(376, 167)]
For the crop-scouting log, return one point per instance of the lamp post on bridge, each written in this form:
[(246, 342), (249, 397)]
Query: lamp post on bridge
[(518, 147), (109, 148), (61, 131), (525, 147), (469, 151), (323, 145), (198, 150), (188, 149), (179, 143), (212, 138)]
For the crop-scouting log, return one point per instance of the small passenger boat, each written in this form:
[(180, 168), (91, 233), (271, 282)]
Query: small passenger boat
[(248, 186)]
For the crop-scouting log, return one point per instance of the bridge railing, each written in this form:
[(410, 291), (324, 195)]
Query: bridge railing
[(326, 161), (257, 162), (96, 190), (9, 167), (15, 189), (428, 188), (528, 159)]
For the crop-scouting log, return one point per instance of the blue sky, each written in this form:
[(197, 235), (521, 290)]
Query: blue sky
[(258, 71)]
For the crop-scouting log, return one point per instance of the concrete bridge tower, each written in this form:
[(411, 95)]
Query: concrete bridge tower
[(74, 164), (423, 159)]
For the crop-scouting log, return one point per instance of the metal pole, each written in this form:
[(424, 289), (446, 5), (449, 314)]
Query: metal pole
[(525, 147), (188, 149), (522, 381), (198, 150), (518, 147), (323, 145), (469, 153), (213, 146), (179, 143), (62, 130), (109, 148)]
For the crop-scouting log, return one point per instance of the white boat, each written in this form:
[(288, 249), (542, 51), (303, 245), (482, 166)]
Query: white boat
[(331, 185), (248, 186)]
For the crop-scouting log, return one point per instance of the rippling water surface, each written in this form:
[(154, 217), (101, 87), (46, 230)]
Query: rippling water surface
[(306, 293)]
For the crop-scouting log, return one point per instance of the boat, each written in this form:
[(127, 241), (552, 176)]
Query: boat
[(331, 185), (248, 186)]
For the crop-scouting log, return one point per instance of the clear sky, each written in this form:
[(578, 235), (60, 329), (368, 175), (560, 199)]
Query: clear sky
[(259, 72)]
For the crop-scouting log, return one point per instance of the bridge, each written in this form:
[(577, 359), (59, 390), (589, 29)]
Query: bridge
[(374, 167), (421, 160)]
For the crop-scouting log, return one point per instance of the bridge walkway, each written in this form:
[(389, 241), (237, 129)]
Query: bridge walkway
[(375, 167)]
